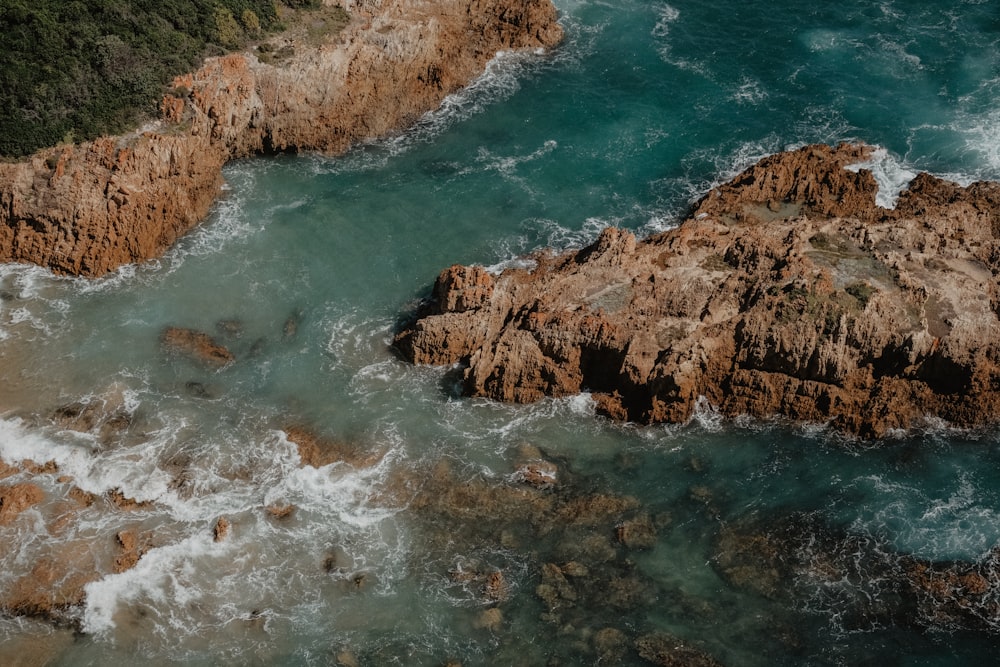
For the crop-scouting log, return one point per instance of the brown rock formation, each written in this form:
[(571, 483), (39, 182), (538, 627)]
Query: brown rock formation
[(130, 550), (221, 529), (786, 291), (87, 209), (317, 452), (16, 498), (54, 585)]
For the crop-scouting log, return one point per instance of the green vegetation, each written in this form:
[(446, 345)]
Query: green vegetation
[(862, 291), (72, 70)]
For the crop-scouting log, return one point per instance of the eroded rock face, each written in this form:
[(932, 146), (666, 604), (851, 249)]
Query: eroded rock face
[(87, 209), (786, 291)]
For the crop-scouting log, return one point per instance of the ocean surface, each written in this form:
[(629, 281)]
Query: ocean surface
[(303, 271)]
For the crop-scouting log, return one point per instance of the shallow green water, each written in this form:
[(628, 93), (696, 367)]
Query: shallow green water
[(643, 108)]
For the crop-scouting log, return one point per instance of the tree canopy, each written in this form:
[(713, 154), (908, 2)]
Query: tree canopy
[(72, 70)]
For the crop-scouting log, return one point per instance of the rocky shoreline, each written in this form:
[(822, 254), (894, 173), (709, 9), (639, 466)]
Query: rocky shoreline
[(787, 291), (90, 208)]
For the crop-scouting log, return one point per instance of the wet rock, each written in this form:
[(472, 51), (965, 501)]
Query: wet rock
[(291, 326), (754, 560), (591, 547), (76, 416), (337, 561), (130, 550), (594, 509), (637, 533), (574, 569), (16, 498), (496, 587), (628, 593), (668, 651), (221, 529), (47, 468), (8, 470), (80, 497), (861, 577), (280, 512), (489, 619), (229, 328), (563, 535), (347, 659), (787, 291), (555, 590), (196, 345), (541, 474), (105, 415), (25, 650), (611, 645), (317, 452), (50, 590), (122, 502), (199, 389)]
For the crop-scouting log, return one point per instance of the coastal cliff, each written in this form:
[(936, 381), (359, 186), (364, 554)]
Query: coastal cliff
[(89, 208), (787, 291)]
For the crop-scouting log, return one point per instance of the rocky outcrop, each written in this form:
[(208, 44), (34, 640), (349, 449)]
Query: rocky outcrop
[(786, 291), (16, 498), (87, 209)]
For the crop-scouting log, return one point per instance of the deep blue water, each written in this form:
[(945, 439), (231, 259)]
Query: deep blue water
[(641, 110)]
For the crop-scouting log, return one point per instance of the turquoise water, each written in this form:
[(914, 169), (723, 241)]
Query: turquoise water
[(313, 260)]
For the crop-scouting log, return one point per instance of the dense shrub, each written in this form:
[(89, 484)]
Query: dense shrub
[(76, 69)]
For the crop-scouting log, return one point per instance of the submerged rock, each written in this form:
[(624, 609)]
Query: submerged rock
[(860, 578), (50, 590), (105, 415), (785, 291), (668, 651), (317, 451), (637, 533), (489, 619), (196, 345)]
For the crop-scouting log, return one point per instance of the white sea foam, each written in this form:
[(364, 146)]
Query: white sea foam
[(749, 91), (517, 263), (508, 165), (959, 522), (982, 138), (707, 416), (892, 177), (666, 17), (163, 577)]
